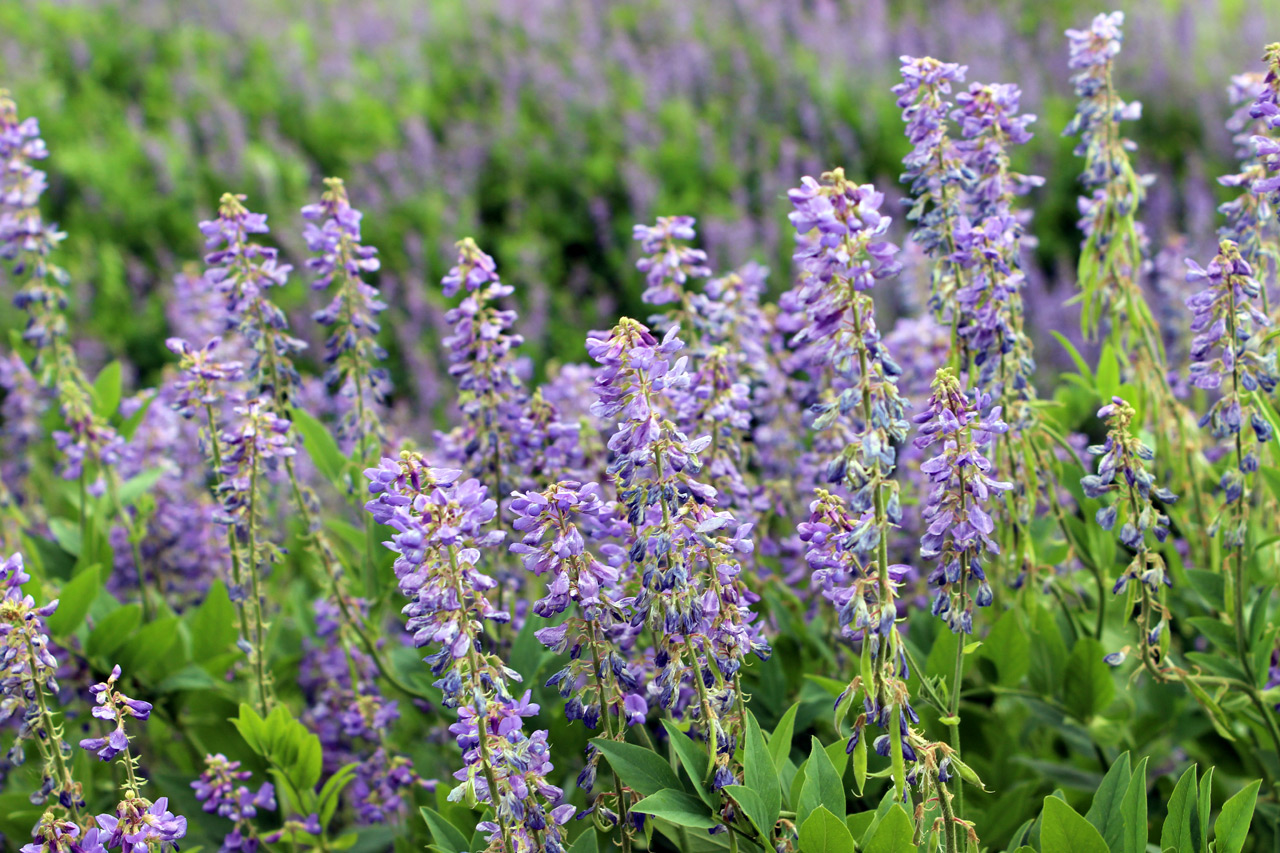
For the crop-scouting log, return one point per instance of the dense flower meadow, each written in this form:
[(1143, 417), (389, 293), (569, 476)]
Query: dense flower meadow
[(844, 570)]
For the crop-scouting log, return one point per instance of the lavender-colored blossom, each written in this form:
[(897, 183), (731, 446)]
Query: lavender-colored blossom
[(221, 791), (141, 826), (1115, 190), (1226, 353), (54, 834), (1135, 509), (113, 706), (202, 381), (244, 271), (30, 670), (481, 360), (440, 540), (352, 351), (1266, 109), (257, 442), (959, 521), (668, 264)]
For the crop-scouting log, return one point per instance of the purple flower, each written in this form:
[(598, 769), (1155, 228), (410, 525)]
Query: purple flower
[(220, 791), (54, 834), (30, 670), (244, 272), (1134, 508), (1228, 352), (201, 380), (332, 232), (114, 706), (440, 540), (959, 526), (668, 265), (140, 826), (481, 358)]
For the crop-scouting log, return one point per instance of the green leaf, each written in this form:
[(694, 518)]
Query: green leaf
[(107, 389), (251, 727), (321, 447), (1134, 809), (693, 757), (327, 802), (586, 843), (130, 426), (1081, 364), (74, 600), (1205, 806), (444, 835), (213, 624), (678, 807), (1209, 584), (753, 807), (1181, 829), (138, 485), (1232, 826), (112, 630), (148, 649), (1008, 646), (1106, 811), (823, 832), (782, 737), (190, 677), (1088, 687), (822, 786), (1064, 831), (893, 834), (67, 534), (759, 773), (639, 768), (1108, 377)]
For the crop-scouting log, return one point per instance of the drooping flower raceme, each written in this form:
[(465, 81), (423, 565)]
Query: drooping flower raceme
[(1251, 217), (482, 361), (352, 351), (1108, 273), (689, 594), (26, 244), (440, 541), (958, 512), (221, 791), (113, 706), (669, 264), (29, 683), (244, 271), (1123, 468), (1267, 110), (1226, 356)]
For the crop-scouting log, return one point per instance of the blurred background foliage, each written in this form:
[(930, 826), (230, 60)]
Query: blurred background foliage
[(545, 128)]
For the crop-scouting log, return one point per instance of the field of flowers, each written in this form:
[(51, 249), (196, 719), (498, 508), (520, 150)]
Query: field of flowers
[(951, 529)]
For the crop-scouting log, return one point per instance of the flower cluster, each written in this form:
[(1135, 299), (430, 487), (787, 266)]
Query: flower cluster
[(959, 522), (1228, 327), (221, 791), (332, 232), (1108, 274), (1266, 109), (481, 360), (440, 542), (29, 681), (1124, 454), (935, 169), (244, 271), (669, 264), (141, 826), (113, 706)]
